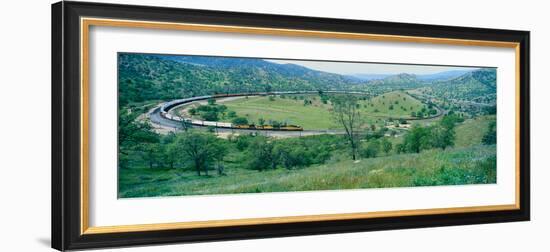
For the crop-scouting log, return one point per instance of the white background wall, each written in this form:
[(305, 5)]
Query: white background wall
[(25, 128)]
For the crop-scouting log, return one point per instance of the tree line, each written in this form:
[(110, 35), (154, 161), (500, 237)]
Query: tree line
[(439, 135), (203, 151)]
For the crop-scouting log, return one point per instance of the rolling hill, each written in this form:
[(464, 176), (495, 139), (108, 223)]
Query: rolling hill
[(396, 104), (151, 77), (394, 82), (472, 86), (147, 77)]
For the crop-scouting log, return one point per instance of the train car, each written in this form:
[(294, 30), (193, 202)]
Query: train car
[(267, 127), (221, 95), (197, 122), (292, 128), (171, 104), (225, 125), (245, 126), (209, 123)]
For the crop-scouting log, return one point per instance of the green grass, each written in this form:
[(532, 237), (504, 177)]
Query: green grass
[(472, 130), (317, 115), (403, 105), (456, 166)]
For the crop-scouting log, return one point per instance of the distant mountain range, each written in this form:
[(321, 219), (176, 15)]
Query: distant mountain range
[(426, 77), (368, 77), (263, 67), (145, 77), (447, 75)]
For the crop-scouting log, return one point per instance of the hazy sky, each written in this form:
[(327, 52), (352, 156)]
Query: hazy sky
[(369, 68)]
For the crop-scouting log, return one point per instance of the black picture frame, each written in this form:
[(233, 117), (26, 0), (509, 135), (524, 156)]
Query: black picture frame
[(66, 114)]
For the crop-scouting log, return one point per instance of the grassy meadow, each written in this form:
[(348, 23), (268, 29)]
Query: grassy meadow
[(316, 115), (458, 166), (392, 104)]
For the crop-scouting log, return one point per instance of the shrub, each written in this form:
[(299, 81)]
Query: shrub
[(261, 156), (261, 121), (290, 156), (210, 116), (240, 121), (232, 114), (490, 136), (242, 141), (203, 108), (211, 101), (275, 124), (371, 150), (386, 145)]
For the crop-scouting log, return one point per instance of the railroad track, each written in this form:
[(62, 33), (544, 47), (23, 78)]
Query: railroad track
[(161, 115)]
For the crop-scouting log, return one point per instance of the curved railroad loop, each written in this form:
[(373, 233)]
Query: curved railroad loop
[(161, 116)]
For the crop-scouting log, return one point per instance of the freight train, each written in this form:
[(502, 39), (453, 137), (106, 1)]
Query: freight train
[(166, 107), (172, 104)]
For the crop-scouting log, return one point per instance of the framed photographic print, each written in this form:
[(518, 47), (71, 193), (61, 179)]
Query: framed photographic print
[(179, 125)]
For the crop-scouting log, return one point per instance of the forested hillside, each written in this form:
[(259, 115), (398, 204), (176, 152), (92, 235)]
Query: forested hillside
[(152, 77), (395, 82), (479, 86), (144, 77)]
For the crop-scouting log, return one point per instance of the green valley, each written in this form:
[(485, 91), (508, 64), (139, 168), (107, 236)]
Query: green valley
[(200, 125)]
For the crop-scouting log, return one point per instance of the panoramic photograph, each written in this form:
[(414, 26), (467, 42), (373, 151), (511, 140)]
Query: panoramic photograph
[(207, 125)]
